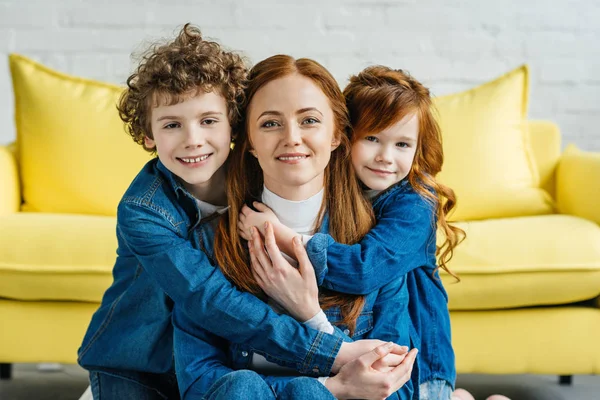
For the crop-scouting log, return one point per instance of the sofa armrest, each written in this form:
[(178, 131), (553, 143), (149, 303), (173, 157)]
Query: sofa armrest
[(10, 187), (578, 183)]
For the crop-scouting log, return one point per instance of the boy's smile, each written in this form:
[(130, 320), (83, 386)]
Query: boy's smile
[(192, 139)]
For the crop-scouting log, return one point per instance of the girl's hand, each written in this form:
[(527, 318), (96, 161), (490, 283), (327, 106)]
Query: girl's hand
[(359, 380), (294, 289), (249, 218)]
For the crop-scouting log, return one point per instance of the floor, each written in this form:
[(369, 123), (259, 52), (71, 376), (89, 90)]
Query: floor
[(69, 383)]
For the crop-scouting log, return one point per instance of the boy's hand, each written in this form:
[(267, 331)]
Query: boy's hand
[(249, 218)]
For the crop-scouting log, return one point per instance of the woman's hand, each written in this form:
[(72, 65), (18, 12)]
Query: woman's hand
[(359, 380), (294, 289)]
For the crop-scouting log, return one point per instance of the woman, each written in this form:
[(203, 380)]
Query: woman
[(293, 156)]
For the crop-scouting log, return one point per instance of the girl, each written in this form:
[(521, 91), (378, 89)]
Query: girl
[(396, 153), (293, 156)]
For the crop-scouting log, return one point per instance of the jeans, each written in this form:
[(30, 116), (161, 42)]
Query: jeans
[(435, 389), (117, 385), (246, 384)]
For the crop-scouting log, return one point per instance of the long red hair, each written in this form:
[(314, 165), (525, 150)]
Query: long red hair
[(350, 215), (379, 97)]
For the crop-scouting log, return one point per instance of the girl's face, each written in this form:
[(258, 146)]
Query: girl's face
[(291, 129), (384, 158)]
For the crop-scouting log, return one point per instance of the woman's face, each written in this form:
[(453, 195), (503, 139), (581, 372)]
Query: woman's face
[(291, 129)]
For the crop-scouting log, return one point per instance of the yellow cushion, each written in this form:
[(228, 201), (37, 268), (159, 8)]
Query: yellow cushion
[(56, 257), (578, 183), (526, 261), (74, 154), (486, 157)]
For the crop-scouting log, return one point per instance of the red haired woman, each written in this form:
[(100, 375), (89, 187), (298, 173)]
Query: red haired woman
[(293, 155)]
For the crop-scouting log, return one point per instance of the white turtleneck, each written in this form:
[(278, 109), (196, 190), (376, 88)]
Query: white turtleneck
[(300, 216)]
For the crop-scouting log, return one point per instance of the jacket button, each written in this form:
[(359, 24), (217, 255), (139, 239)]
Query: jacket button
[(316, 369), (346, 331), (244, 354)]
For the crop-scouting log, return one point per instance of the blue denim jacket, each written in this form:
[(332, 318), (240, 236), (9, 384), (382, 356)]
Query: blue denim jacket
[(201, 357), (161, 260), (402, 243)]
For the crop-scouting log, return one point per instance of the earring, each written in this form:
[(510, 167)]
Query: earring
[(253, 152)]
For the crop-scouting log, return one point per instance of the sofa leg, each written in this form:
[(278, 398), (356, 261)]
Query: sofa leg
[(566, 380), (5, 371)]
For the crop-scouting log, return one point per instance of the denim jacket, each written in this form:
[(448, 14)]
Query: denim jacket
[(402, 243), (162, 260), (201, 357)]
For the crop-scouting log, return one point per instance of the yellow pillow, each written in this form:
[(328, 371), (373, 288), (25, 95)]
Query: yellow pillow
[(486, 157), (74, 154), (578, 183)]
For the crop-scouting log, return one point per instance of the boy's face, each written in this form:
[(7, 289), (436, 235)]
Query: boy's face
[(385, 158), (192, 138)]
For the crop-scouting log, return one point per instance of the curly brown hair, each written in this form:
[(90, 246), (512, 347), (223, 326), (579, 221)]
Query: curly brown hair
[(170, 72)]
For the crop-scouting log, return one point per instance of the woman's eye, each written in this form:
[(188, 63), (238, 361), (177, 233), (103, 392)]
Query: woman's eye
[(269, 124), (371, 139), (172, 125), (310, 121), (209, 122)]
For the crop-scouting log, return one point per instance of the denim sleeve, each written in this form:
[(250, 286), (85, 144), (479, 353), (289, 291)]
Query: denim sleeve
[(200, 358), (391, 322), (394, 247), (212, 302)]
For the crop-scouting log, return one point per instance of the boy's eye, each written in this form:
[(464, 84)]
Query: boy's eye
[(310, 121), (372, 139), (172, 125), (269, 124), (402, 144)]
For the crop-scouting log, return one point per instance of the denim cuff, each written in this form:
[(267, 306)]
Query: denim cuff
[(321, 356), (317, 253)]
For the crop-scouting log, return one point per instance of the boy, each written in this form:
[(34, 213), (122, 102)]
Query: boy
[(181, 103)]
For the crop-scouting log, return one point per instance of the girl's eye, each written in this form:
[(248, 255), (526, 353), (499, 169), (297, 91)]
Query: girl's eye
[(310, 121), (402, 144), (372, 139), (269, 124), (209, 121), (172, 125)]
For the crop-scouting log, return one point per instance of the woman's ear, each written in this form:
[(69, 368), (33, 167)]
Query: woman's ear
[(253, 152), (335, 142)]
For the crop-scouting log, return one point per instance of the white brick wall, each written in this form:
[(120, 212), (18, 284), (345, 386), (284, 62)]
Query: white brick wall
[(449, 45)]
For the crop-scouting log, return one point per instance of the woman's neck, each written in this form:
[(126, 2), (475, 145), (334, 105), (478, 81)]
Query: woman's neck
[(298, 215)]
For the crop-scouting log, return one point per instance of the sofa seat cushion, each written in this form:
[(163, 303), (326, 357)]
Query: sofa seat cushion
[(526, 261), (56, 256)]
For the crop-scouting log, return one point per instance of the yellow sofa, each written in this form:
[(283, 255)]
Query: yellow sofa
[(529, 268)]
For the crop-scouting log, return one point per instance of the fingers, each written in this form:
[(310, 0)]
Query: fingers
[(271, 245), (397, 349), (304, 265), (261, 255), (245, 211), (260, 206), (257, 269), (243, 230), (405, 368), (369, 358)]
